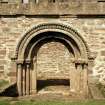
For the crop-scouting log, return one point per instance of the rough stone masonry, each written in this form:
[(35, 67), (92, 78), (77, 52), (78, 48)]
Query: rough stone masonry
[(61, 31)]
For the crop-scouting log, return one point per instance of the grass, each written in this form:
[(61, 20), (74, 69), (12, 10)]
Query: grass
[(3, 83), (26, 102)]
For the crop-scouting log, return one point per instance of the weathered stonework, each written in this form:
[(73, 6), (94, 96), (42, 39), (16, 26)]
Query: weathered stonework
[(53, 58), (58, 53)]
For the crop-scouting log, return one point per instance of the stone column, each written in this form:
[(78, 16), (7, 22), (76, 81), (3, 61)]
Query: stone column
[(19, 78), (27, 79), (79, 77), (73, 78), (24, 80), (34, 79), (85, 81)]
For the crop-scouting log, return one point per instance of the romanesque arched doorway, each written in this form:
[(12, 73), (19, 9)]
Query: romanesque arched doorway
[(27, 57), (53, 58)]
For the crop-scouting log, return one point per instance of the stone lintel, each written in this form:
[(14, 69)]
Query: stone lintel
[(59, 9)]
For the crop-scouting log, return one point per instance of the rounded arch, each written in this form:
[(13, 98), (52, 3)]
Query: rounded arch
[(47, 37), (34, 38), (69, 35), (43, 41)]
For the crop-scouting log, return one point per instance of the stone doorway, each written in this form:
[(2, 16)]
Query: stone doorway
[(53, 67), (57, 43)]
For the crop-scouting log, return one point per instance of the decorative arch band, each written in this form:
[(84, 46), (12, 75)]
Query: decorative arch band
[(52, 27)]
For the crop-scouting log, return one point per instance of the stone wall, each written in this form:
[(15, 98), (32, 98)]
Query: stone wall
[(55, 9), (91, 29), (53, 61)]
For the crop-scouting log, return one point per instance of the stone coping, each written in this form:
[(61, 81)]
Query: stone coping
[(59, 9)]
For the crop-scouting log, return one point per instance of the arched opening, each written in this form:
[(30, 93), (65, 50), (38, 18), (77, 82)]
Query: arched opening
[(53, 61), (55, 55), (52, 53), (53, 58)]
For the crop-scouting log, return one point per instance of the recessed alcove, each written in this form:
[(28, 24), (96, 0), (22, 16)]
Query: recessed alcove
[(53, 59)]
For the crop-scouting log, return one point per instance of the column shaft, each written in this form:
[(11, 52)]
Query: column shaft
[(30, 80), (27, 79), (34, 80), (24, 81), (79, 77), (72, 77), (85, 77)]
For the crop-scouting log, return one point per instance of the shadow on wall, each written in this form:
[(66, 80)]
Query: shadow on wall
[(41, 84), (11, 91)]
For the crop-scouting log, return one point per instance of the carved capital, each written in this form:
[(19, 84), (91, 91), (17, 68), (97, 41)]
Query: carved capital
[(92, 56), (79, 61), (13, 58), (28, 61), (20, 61)]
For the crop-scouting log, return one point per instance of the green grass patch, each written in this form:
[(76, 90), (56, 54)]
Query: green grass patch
[(4, 102), (3, 83), (62, 103), (26, 102)]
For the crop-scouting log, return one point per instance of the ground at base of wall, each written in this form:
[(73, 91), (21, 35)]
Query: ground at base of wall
[(95, 92), (59, 92), (46, 102)]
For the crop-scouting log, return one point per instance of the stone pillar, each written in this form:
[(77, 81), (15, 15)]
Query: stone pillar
[(24, 80), (79, 77), (19, 78), (73, 77), (27, 79), (34, 79), (30, 79), (85, 81)]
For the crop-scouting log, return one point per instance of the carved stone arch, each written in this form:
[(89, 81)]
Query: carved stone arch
[(56, 27), (79, 64), (44, 37)]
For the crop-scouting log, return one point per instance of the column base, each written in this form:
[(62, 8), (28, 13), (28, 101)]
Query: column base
[(33, 92)]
